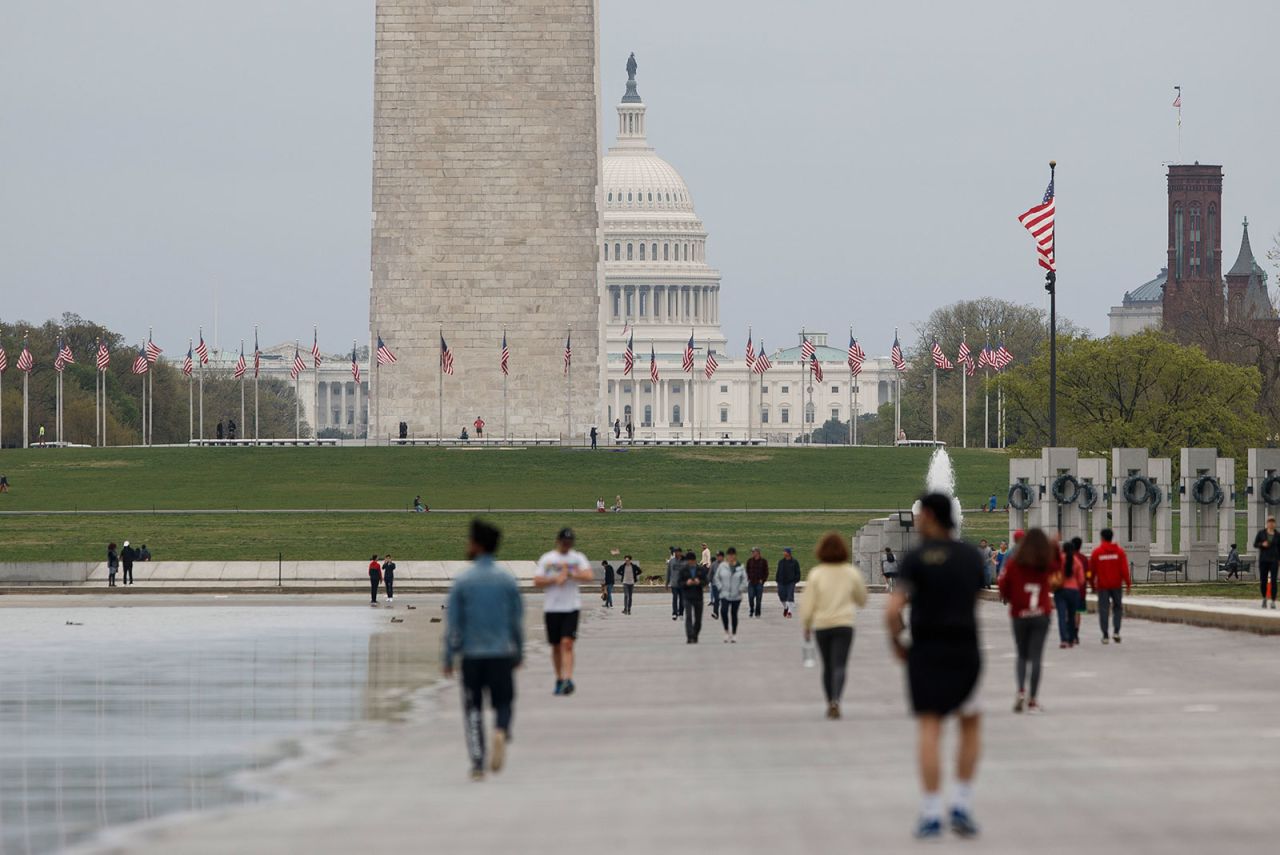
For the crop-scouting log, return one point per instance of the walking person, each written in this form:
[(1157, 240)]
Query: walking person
[(559, 574), (788, 577), (757, 576), (889, 568), (1110, 567), (1267, 542), (710, 563), (692, 581), (833, 590), (940, 579), (673, 583), (375, 579), (629, 575), (1026, 584), (610, 579), (4, 483), (113, 564), (389, 577), (1067, 598), (127, 556), (595, 435), (731, 582), (617, 429), (485, 630)]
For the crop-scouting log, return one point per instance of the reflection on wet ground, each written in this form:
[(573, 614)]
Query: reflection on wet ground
[(115, 715)]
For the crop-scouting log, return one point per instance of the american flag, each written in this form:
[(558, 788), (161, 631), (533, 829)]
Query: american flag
[(257, 354), (965, 356), (140, 365), (568, 351), (355, 366), (687, 363), (187, 363), (446, 357), (762, 360), (386, 357), (895, 355), (1039, 221), (751, 355), (629, 356), (4, 360), (64, 356), (202, 351), (315, 349), (984, 358), (104, 356), (504, 361), (806, 348), (153, 350), (298, 365), (712, 365), (815, 369), (241, 365), (25, 362), (939, 358), (856, 356), (1002, 358), (653, 365)]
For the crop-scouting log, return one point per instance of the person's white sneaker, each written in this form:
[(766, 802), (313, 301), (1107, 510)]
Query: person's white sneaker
[(733, 639), (726, 638)]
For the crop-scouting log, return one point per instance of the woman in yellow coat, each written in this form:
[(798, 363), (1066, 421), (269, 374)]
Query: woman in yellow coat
[(831, 592)]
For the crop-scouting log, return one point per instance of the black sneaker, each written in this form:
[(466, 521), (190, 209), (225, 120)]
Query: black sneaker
[(568, 688), (559, 687), (962, 823)]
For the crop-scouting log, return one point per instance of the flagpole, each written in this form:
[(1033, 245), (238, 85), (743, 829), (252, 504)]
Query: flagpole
[(151, 388), (440, 396), (26, 428), (97, 398), (986, 409), (1051, 285), (750, 371), (241, 390), (191, 404), (200, 360), (143, 424), (506, 426), (297, 400), (568, 387), (255, 384)]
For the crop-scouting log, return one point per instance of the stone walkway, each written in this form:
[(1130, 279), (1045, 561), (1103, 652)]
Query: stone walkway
[(1168, 743)]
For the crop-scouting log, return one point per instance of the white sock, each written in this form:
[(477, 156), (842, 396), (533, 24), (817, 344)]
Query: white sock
[(962, 796), (931, 806)]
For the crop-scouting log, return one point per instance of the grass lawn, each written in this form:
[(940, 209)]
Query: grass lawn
[(1246, 590), (550, 478), (354, 537)]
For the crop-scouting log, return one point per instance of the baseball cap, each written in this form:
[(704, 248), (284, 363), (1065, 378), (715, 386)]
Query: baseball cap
[(787, 549), (565, 534)]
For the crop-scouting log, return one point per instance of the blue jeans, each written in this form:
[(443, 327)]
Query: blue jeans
[(608, 596), (715, 600), (1067, 600), (786, 593), (755, 595)]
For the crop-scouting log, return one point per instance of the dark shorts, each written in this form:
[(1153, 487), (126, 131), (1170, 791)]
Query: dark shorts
[(561, 625), (942, 676)]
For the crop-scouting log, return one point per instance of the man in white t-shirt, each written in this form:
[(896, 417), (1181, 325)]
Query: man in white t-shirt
[(558, 574)]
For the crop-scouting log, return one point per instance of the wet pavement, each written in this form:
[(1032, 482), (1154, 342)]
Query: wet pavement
[(1166, 743)]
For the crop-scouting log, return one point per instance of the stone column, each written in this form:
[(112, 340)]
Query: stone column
[(342, 407), (617, 402)]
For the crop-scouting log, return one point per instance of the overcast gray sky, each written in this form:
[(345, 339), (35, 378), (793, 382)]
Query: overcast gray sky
[(853, 164)]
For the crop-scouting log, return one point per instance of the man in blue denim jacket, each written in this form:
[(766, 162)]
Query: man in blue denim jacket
[(485, 629)]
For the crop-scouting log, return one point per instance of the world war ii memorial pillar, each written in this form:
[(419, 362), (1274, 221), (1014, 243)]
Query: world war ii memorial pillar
[(1201, 499)]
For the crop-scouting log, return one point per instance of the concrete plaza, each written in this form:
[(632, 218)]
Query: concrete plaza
[(1166, 743)]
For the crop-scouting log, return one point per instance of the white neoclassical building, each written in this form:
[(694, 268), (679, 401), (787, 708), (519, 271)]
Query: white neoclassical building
[(660, 290)]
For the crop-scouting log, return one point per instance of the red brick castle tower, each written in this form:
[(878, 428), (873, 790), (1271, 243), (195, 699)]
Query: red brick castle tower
[(1193, 295)]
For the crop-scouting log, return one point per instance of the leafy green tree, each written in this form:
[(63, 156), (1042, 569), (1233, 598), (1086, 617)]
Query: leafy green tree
[(1143, 391)]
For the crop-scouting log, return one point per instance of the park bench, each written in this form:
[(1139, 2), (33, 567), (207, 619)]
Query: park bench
[(1166, 566)]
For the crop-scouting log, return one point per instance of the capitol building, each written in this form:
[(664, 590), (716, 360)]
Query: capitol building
[(659, 289)]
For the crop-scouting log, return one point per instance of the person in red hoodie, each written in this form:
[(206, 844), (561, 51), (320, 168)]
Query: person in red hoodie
[(1110, 567), (1027, 585)]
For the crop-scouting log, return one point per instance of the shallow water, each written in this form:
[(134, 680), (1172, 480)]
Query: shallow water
[(144, 711)]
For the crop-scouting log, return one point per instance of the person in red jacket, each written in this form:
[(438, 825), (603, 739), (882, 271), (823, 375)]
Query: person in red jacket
[(1027, 585), (1110, 568)]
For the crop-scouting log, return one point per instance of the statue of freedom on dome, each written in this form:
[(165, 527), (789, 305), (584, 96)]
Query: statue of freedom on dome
[(631, 67)]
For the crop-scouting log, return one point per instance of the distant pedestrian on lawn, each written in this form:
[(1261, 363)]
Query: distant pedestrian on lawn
[(389, 577), (485, 629), (4, 483), (889, 568), (595, 436), (478, 424), (631, 432), (1067, 598), (617, 504), (757, 575), (1267, 542), (418, 506), (1026, 585), (731, 583), (673, 583), (629, 575), (231, 429), (788, 577), (113, 564), (1110, 567), (610, 579), (991, 504), (127, 556), (144, 554), (940, 580), (1232, 564), (219, 430), (834, 588), (375, 579), (559, 573), (600, 508), (617, 429), (693, 580)]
